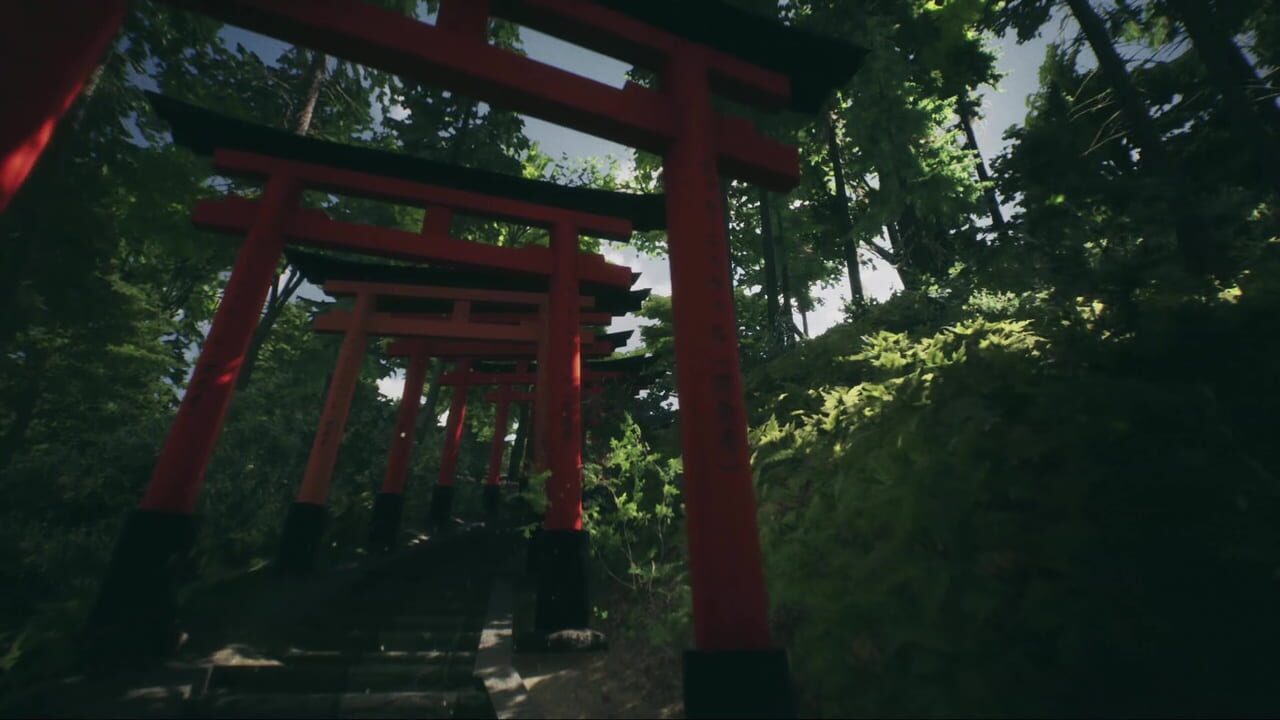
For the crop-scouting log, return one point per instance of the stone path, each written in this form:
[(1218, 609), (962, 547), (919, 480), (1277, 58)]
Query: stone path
[(399, 640)]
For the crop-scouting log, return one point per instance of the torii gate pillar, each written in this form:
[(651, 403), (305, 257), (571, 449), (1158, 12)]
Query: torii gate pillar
[(304, 525), (135, 612), (492, 481), (734, 671), (51, 47), (388, 507), (562, 549), (442, 494)]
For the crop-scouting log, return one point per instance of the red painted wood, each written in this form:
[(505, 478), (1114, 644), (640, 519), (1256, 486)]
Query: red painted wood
[(482, 350), (564, 386), (313, 228), (179, 471), (464, 17), (318, 476), (401, 451), (464, 64), (377, 187), (392, 325), (478, 379), (730, 608), (518, 396), (541, 402), (437, 221), (453, 431), (48, 50), (597, 28), (588, 319), (470, 295), (499, 443)]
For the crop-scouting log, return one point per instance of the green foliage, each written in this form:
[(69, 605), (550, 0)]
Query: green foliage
[(1019, 532), (633, 515)]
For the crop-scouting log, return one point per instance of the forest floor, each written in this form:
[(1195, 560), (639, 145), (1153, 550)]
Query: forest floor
[(632, 679)]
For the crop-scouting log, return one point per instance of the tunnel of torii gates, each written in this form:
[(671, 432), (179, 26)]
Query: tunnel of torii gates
[(552, 282), (626, 373), (466, 322), (697, 51)]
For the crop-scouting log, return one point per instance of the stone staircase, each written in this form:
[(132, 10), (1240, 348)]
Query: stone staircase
[(398, 640)]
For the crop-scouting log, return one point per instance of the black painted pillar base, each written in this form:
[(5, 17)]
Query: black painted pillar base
[(300, 542), (492, 499), (531, 558), (135, 616), (746, 683), (442, 507), (561, 565), (384, 528)]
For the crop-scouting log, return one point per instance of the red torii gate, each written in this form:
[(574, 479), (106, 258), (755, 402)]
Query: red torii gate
[(502, 399), (386, 521), (519, 374), (304, 525), (162, 527), (734, 669), (530, 337)]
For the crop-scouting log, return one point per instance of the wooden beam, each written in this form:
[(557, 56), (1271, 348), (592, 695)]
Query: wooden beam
[(528, 396), (476, 378), (610, 33), (483, 350), (390, 325), (466, 64), (377, 187), (313, 228), (503, 297)]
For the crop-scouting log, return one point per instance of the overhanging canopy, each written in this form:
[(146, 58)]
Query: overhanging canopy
[(817, 64)]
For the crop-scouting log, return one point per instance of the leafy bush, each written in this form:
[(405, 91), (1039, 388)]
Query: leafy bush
[(632, 512), (983, 526)]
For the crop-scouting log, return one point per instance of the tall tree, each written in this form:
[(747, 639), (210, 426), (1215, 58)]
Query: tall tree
[(769, 255), (966, 109), (1026, 16), (843, 209), (1255, 117), (290, 281)]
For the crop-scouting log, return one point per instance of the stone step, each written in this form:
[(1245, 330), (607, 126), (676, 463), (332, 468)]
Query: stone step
[(397, 641), (431, 704), (449, 674), (296, 656), (409, 622)]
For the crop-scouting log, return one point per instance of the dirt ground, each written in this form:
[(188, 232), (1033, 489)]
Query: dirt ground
[(631, 679)]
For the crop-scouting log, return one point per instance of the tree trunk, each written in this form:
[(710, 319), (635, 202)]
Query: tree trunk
[(317, 74), (845, 228), (514, 468), (784, 270), (24, 410), (460, 135), (276, 302), (768, 253), (1255, 120), (964, 109), (1144, 135), (432, 408), (905, 273)]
